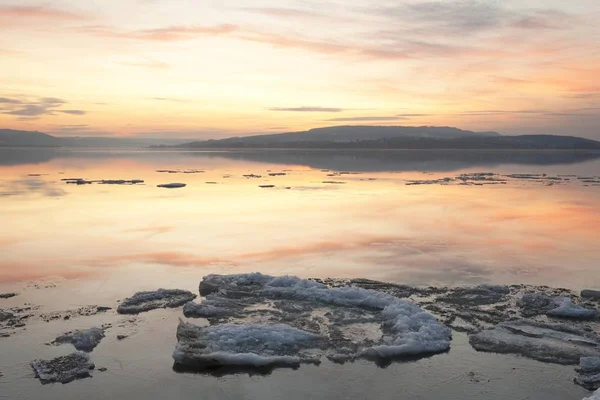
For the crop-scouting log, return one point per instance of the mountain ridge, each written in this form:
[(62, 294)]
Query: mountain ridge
[(336, 137)]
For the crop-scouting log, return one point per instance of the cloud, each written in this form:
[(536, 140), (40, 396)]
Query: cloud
[(286, 12), (28, 110), (473, 16), (148, 64), (38, 12), (414, 115), (9, 101), (346, 119), (72, 112), (168, 34), (502, 112), (166, 99), (307, 109)]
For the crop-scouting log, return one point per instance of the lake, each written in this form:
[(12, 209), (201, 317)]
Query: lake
[(424, 218)]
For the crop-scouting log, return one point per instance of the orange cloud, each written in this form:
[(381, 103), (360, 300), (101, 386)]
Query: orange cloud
[(169, 34), (37, 12)]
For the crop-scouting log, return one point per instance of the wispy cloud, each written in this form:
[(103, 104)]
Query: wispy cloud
[(72, 112), (367, 119), (307, 109), (28, 110), (286, 12), (6, 100), (168, 34), (167, 99), (147, 64), (38, 12)]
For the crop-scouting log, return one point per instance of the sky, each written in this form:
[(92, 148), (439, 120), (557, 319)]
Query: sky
[(220, 68)]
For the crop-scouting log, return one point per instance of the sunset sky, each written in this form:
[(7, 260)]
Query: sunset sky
[(216, 68)]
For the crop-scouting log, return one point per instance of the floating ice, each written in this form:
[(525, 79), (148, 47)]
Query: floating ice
[(592, 294), (4, 315), (161, 298), (172, 185), (589, 365), (589, 373), (555, 343), (254, 345), (535, 303), (63, 369), (595, 396), (85, 340), (566, 309), (404, 328)]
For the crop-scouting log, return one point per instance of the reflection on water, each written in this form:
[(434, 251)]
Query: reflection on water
[(373, 226)]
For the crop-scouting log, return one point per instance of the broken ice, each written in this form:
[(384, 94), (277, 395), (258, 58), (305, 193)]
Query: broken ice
[(161, 298), (328, 316), (63, 369)]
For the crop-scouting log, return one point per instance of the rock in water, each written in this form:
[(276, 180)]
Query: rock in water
[(7, 295), (554, 343), (63, 369), (85, 340), (161, 298)]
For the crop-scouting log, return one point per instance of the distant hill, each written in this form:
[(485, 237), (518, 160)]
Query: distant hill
[(11, 137), (18, 138), (338, 137), (397, 137), (341, 134)]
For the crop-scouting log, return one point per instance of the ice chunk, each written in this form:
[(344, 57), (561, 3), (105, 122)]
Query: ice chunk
[(588, 381), (4, 315), (566, 309), (589, 373), (211, 306), (589, 365), (254, 345), (535, 303), (7, 295), (591, 294), (595, 396), (172, 185), (85, 340), (555, 343), (409, 330), (478, 295), (213, 283), (161, 298), (63, 369)]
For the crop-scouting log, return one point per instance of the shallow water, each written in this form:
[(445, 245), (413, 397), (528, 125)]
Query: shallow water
[(66, 246)]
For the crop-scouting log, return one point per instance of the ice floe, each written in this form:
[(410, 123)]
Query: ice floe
[(256, 345), (592, 294), (595, 396), (63, 369), (588, 373), (161, 298), (85, 340), (566, 309), (174, 185), (547, 342), (350, 322)]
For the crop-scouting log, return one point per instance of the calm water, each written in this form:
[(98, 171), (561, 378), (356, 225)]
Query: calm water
[(95, 244)]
